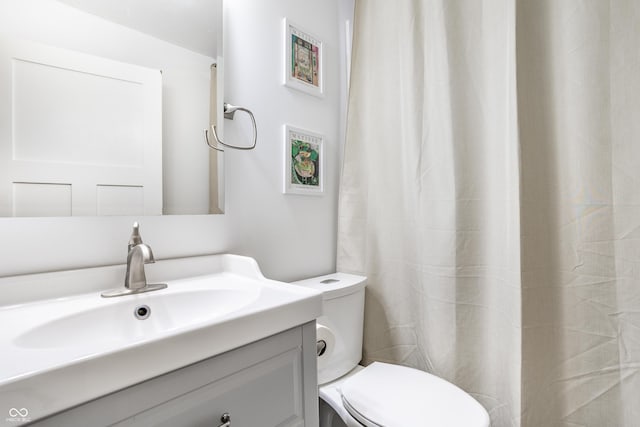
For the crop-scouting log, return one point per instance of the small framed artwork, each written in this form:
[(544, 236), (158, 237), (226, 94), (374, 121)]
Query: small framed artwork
[(303, 60), (303, 162)]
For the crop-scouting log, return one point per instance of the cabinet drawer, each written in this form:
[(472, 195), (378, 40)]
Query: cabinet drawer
[(265, 394)]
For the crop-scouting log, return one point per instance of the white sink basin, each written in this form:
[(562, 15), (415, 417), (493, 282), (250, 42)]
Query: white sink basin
[(91, 322), (89, 346)]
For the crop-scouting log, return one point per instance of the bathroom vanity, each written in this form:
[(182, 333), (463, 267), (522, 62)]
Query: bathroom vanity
[(220, 346)]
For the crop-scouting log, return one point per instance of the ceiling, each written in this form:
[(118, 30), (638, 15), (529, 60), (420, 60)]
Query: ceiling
[(191, 24)]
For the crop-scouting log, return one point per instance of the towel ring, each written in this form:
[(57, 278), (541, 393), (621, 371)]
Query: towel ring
[(229, 113)]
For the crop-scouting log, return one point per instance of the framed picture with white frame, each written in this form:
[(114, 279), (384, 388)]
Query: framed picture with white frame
[(304, 60), (303, 162)]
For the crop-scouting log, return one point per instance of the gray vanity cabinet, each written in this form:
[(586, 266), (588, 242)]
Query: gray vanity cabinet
[(271, 382)]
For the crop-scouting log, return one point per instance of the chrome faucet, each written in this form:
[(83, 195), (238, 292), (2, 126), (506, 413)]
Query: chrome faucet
[(135, 280)]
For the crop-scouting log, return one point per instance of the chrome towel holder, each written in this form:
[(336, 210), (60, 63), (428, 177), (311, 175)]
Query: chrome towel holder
[(229, 113)]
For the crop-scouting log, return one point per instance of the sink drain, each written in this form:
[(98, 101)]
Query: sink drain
[(142, 312)]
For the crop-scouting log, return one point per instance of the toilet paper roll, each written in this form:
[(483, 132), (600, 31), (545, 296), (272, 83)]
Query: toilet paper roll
[(325, 339)]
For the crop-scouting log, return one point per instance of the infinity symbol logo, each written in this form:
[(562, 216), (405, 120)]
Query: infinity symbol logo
[(22, 412)]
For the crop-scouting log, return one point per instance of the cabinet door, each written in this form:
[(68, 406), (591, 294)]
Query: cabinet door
[(266, 394)]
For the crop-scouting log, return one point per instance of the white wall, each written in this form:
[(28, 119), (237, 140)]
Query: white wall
[(290, 236)]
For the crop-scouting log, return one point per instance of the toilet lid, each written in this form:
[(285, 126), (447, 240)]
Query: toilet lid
[(384, 395)]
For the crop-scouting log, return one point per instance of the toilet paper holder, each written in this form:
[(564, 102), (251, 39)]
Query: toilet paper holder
[(325, 342), (321, 347)]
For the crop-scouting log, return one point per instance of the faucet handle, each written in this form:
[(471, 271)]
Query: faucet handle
[(147, 253), (135, 238)]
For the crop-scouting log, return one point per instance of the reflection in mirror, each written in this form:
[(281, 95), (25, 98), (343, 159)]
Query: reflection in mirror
[(102, 106)]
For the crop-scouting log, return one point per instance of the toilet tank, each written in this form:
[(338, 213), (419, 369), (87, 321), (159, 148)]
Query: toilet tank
[(341, 323)]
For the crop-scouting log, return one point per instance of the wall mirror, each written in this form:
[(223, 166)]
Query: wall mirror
[(103, 104)]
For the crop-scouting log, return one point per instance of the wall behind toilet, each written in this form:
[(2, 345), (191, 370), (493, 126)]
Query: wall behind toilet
[(290, 236)]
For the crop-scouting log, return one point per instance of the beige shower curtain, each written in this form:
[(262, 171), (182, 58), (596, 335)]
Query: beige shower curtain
[(491, 193)]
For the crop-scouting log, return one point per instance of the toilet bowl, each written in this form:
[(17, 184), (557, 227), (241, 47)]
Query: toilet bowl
[(381, 394)]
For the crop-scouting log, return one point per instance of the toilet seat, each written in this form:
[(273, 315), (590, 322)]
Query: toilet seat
[(385, 395)]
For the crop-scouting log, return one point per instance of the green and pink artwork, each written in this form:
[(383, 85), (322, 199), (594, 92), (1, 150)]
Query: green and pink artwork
[(304, 168), (303, 67)]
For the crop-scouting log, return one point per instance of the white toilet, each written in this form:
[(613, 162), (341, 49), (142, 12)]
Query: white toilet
[(381, 394)]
